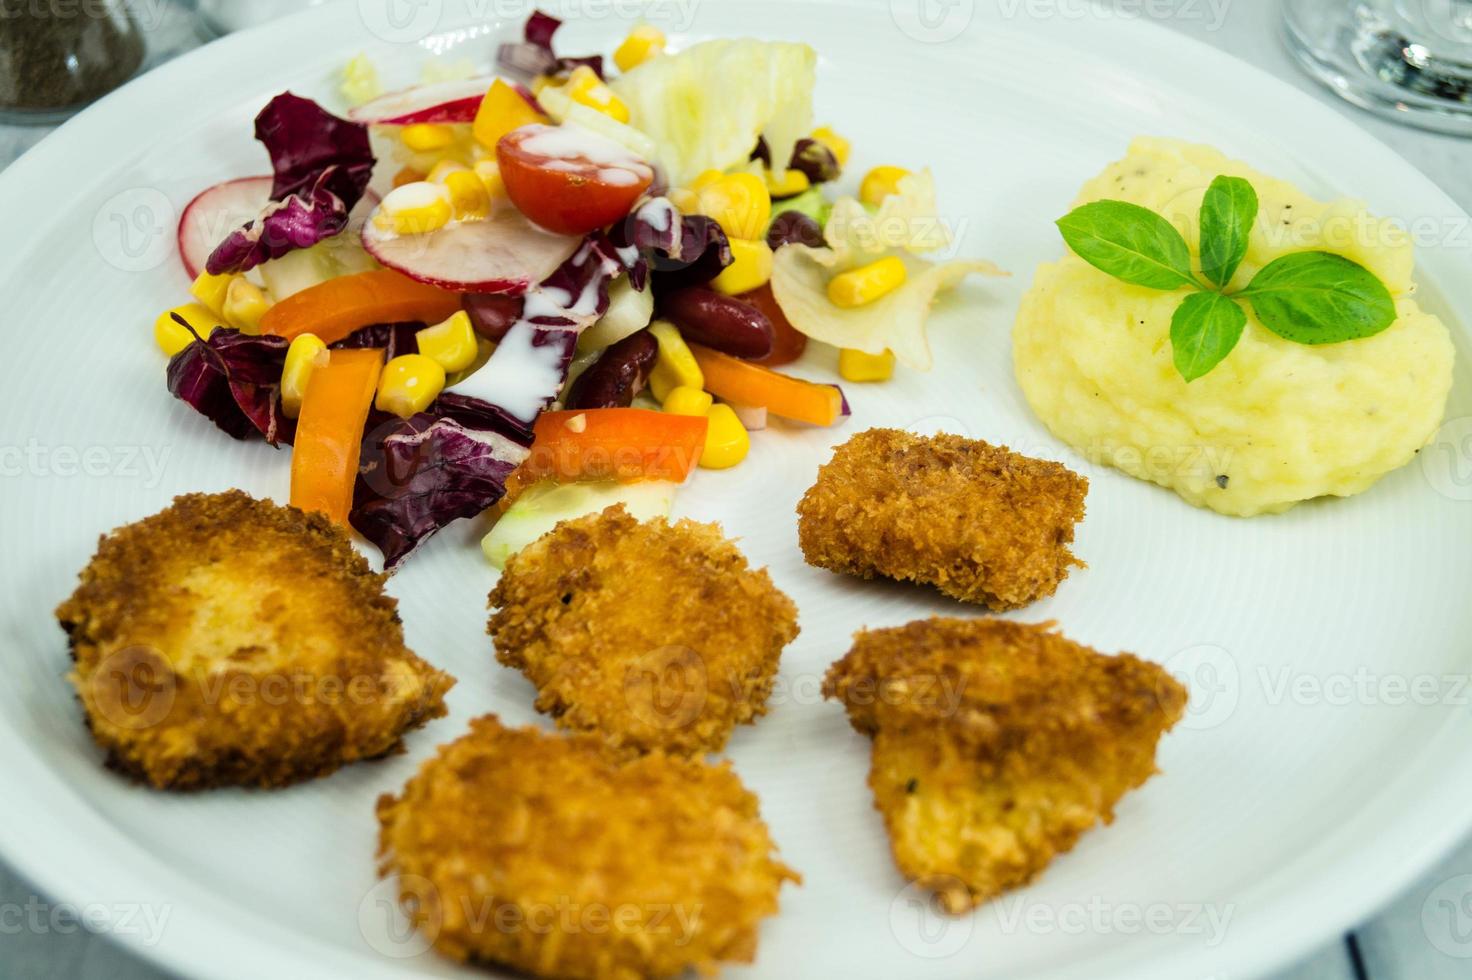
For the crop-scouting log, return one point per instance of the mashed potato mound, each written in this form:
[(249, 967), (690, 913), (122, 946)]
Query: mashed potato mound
[(1276, 422)]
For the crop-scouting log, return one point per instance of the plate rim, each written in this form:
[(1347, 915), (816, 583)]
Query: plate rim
[(1342, 895)]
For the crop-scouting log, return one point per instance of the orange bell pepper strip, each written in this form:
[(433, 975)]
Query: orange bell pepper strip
[(625, 444), (745, 383), (335, 308), (329, 431)]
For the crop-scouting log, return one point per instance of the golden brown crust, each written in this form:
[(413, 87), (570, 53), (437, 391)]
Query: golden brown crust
[(229, 641), (979, 522), (656, 635), (565, 856), (997, 744)]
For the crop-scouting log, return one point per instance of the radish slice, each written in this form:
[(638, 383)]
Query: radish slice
[(504, 253), (214, 213), (443, 102), (217, 211)]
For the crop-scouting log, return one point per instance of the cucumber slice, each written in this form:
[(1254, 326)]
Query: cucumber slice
[(540, 508)]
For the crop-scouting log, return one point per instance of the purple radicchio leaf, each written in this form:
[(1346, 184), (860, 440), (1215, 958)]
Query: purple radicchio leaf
[(322, 165), (283, 226), (422, 473), (234, 380), (393, 338), (680, 250), (533, 55)]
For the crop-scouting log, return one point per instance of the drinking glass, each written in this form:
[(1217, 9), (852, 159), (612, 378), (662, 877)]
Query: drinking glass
[(1409, 60)]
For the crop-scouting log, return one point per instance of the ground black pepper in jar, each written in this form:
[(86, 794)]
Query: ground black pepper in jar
[(58, 55)]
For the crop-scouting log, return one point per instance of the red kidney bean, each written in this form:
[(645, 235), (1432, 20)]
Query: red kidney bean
[(718, 321), (794, 228), (492, 314), (618, 375)]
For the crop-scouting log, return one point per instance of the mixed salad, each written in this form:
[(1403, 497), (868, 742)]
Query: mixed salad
[(547, 290)]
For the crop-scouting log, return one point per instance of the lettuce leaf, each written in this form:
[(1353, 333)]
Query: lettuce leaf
[(707, 106)]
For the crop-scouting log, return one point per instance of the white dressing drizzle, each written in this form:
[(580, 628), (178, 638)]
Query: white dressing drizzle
[(561, 145), (520, 374)]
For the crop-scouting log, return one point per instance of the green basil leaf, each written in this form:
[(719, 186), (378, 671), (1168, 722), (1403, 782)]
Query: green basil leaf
[(1203, 331), (1130, 243), (1319, 298), (1227, 213)]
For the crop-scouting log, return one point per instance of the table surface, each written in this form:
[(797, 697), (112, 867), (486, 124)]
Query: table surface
[(1425, 934)]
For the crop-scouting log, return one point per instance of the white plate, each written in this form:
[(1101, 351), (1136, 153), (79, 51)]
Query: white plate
[(1292, 814)]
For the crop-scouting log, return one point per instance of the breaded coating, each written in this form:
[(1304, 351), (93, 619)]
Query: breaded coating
[(979, 522), (997, 744), (229, 641), (655, 635), (565, 856)]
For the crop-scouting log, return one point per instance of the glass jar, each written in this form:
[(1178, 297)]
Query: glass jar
[(58, 55)]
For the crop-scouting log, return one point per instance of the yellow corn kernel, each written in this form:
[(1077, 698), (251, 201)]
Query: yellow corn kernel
[(836, 144), (245, 304), (726, 441), (790, 184), (210, 290), (443, 169), (502, 110), (469, 198), (881, 182), (171, 337), (427, 137), (408, 384), (306, 353), (684, 199), (866, 283), (415, 209), (584, 86), (643, 43), (855, 365), (451, 343), (490, 175), (705, 178), (675, 367), (750, 268), (687, 401), (739, 203)]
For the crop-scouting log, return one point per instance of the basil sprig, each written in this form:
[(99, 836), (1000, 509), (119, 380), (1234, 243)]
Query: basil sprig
[(1305, 297)]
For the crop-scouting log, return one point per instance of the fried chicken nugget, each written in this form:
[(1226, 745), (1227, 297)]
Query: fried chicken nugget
[(229, 641), (565, 856), (656, 635), (979, 522), (997, 744)]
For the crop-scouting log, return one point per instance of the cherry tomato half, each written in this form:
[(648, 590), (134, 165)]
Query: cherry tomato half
[(787, 343), (568, 180)]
